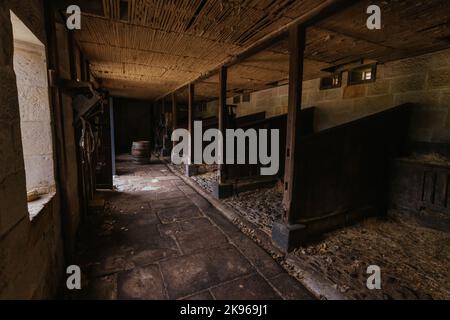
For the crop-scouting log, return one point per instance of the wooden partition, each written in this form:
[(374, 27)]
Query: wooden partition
[(237, 171), (343, 171)]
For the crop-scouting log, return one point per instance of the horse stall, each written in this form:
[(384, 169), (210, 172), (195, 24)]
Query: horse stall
[(342, 175), (247, 176)]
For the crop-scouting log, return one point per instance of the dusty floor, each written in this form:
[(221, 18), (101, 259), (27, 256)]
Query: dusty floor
[(261, 207), (159, 239), (414, 261)]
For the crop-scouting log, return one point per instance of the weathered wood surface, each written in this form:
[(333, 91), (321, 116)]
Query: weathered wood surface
[(420, 191), (151, 53), (343, 172)]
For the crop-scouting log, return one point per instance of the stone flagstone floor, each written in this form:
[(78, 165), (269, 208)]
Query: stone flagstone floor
[(159, 239)]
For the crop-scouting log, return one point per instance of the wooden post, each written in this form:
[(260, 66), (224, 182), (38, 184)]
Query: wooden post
[(223, 189), (222, 119), (163, 110), (174, 116), (297, 47), (174, 112), (191, 119)]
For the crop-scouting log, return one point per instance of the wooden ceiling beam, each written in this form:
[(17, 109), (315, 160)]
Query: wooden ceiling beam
[(325, 9), (359, 38)]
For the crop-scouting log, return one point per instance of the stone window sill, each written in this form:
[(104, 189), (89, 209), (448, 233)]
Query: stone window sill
[(37, 206)]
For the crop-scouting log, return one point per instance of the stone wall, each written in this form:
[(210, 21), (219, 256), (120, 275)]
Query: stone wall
[(423, 80), (32, 85), (31, 253)]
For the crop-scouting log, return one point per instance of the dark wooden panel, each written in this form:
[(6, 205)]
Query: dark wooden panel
[(104, 178), (345, 169), (420, 191), (280, 123)]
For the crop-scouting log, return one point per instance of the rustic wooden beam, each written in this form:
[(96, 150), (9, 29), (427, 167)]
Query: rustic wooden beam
[(222, 119), (323, 10), (297, 42), (191, 97), (174, 111), (174, 115)]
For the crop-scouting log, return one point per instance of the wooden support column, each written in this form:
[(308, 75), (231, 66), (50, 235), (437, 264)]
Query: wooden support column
[(174, 113), (286, 233), (191, 168), (222, 119), (191, 118), (223, 189), (297, 49), (174, 116), (165, 139)]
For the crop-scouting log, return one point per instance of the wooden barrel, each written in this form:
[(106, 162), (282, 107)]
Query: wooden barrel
[(140, 152)]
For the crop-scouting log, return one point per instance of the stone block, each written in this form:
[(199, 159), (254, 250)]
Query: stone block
[(413, 82), (30, 67), (290, 288), (186, 275), (180, 213), (103, 288), (332, 94), (39, 172), (285, 100), (283, 90), (356, 91), (406, 66), (422, 98), (170, 203), (202, 296), (250, 288), (379, 87), (439, 59), (371, 105), (439, 78), (311, 84), (141, 283), (257, 256), (315, 96), (287, 237), (332, 114), (36, 138), (34, 104), (200, 238)]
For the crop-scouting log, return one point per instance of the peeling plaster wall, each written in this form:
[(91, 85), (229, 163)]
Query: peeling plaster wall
[(423, 80), (31, 252)]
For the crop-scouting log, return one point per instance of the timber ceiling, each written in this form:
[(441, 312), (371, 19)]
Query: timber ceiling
[(147, 48)]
